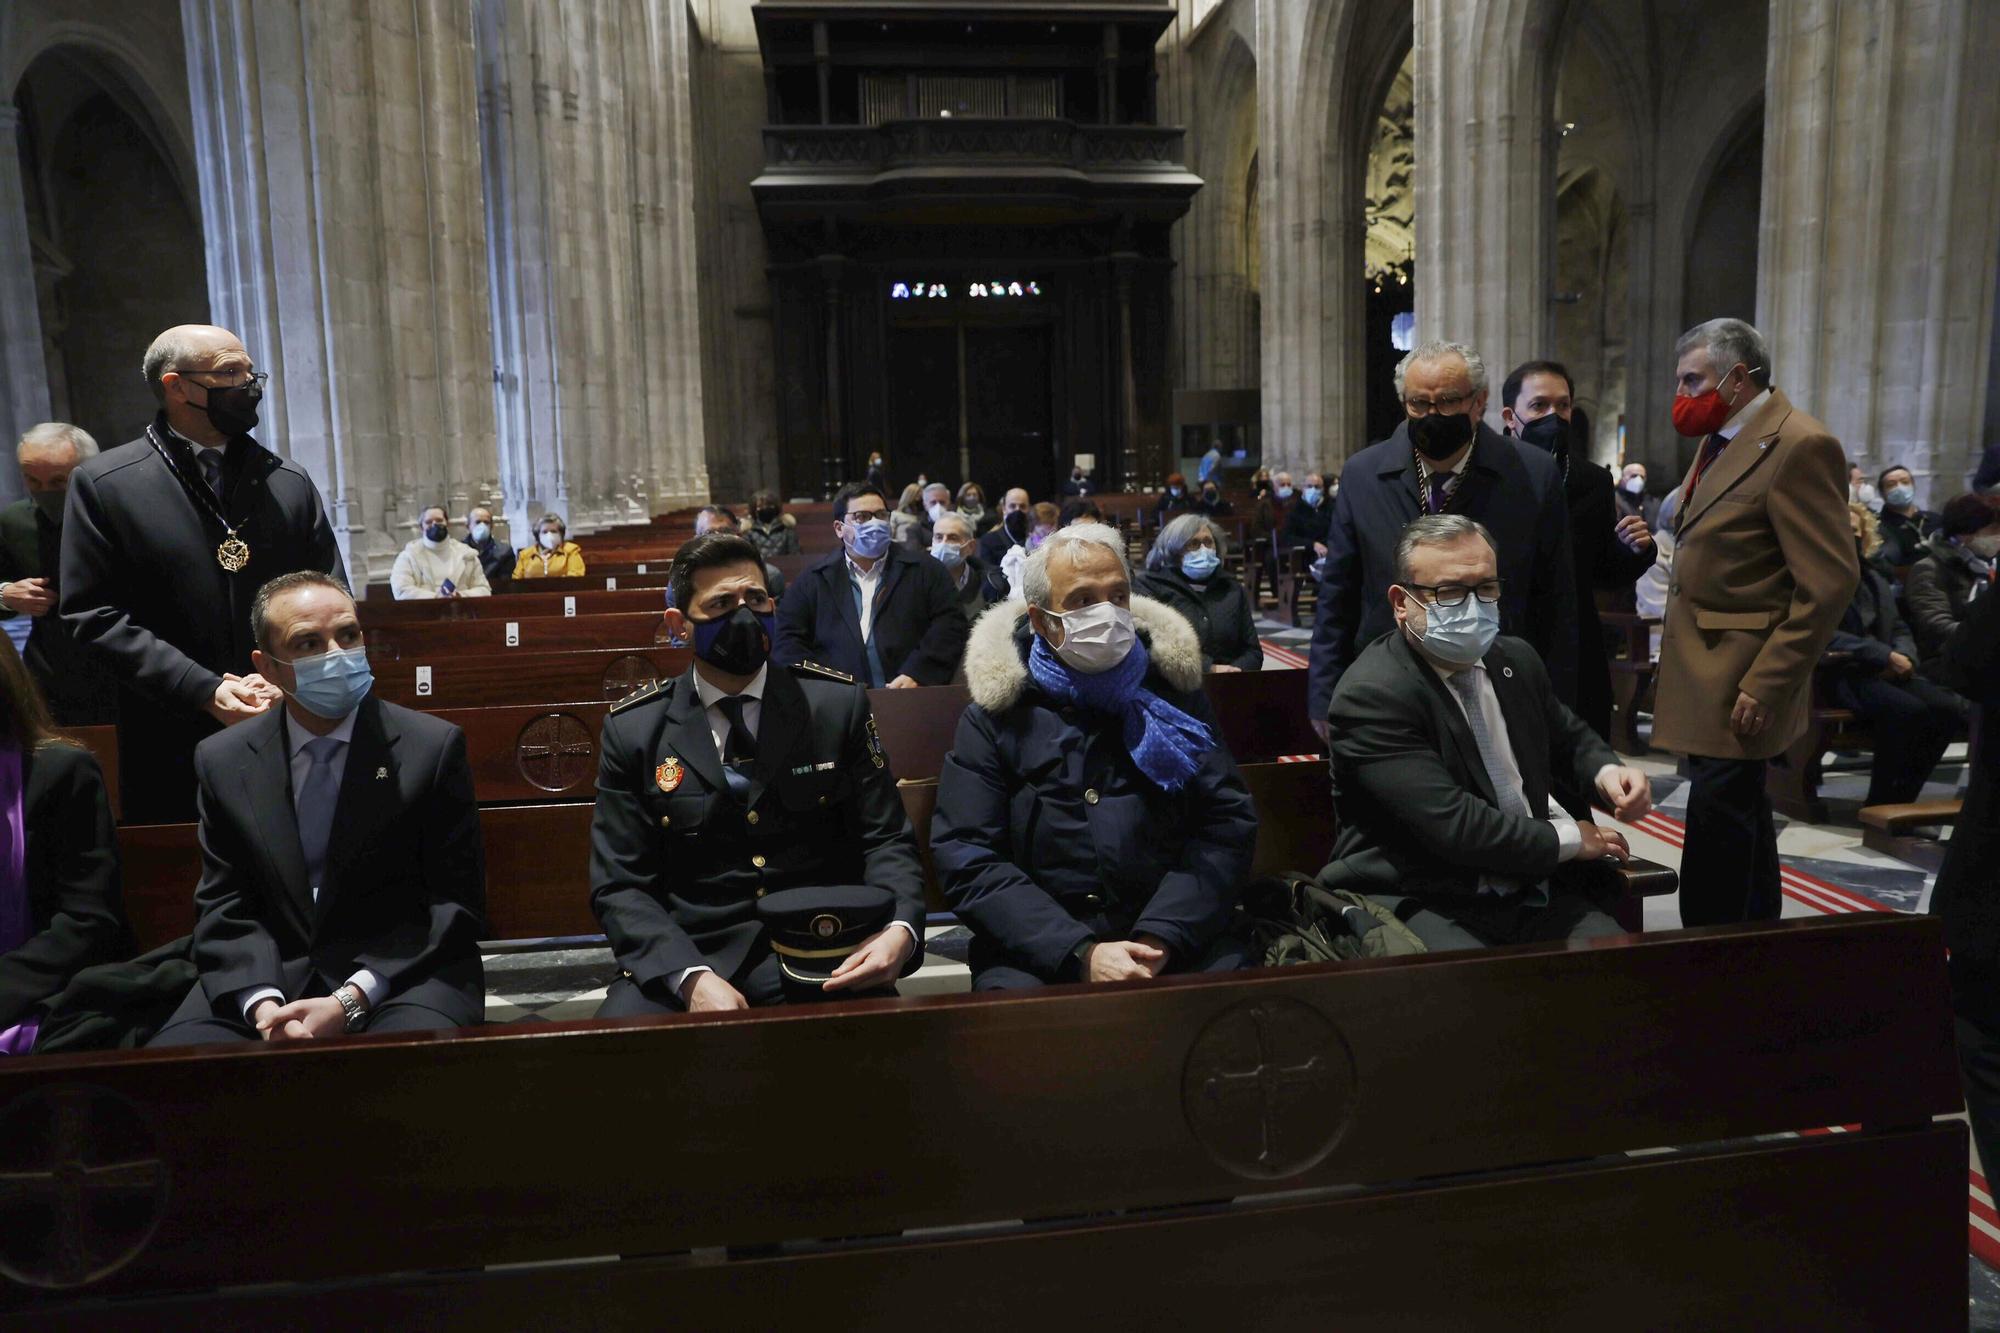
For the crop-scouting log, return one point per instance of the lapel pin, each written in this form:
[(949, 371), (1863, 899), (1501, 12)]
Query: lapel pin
[(381, 773), (1508, 672)]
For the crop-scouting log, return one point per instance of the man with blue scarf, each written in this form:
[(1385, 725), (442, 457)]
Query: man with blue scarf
[(1090, 824), (1461, 783)]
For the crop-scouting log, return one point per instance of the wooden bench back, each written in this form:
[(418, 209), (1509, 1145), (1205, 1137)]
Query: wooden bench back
[(1446, 1132), (537, 634), (515, 677), (533, 600)]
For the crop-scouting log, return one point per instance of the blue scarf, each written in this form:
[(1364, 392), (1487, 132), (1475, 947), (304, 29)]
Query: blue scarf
[(1167, 744)]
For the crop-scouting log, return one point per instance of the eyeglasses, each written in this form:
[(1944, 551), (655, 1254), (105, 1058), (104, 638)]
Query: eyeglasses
[(253, 379), (1423, 407), (1454, 594)]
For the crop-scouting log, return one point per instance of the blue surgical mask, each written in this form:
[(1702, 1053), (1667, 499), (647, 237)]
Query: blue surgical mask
[(480, 531), (1899, 496), (1312, 495), (1460, 635), (332, 684), (948, 554), (1199, 562), (1284, 492), (868, 539)]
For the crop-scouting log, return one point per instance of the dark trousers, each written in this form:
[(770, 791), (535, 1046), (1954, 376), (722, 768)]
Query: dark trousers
[(994, 969), (1975, 995), (1912, 722), (762, 985), (1490, 921), (199, 1023), (1729, 866)]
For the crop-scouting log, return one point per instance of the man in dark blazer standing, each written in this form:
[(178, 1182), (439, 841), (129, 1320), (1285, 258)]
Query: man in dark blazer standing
[(343, 877), (736, 780), (1461, 783), (1444, 459), (80, 692), (165, 542), (872, 610), (1609, 552)]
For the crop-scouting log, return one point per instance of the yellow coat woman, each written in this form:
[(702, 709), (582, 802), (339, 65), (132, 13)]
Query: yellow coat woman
[(552, 556)]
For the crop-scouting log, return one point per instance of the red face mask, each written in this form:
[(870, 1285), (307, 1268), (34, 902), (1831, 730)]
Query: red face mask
[(1703, 413)]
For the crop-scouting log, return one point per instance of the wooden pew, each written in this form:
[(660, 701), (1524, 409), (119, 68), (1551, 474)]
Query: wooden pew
[(540, 603), (1889, 829), (1298, 590), (603, 675), (1793, 778), (1287, 1146), (625, 629)]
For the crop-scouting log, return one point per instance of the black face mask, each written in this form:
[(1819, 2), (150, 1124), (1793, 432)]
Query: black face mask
[(1438, 436), (738, 643), (1550, 432), (1017, 525), (434, 532), (768, 514), (233, 411)]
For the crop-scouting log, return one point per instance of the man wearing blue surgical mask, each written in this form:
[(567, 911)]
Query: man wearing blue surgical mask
[(1461, 783), (873, 610), (1906, 525), (343, 882)]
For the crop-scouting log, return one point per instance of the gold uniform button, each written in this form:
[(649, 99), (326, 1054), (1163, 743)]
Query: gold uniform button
[(752, 816), (760, 893), (822, 800), (1090, 795), (757, 861), (666, 820)]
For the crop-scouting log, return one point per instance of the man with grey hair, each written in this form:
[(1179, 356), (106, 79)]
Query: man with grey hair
[(1444, 459), (165, 543), (79, 691), (1090, 824), (1764, 568), (1461, 783)]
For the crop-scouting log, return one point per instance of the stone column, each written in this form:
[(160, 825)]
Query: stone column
[(339, 166), (1875, 279), (1485, 180), (24, 373), (589, 183)]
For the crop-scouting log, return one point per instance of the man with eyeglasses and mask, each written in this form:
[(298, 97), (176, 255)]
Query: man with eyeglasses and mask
[(343, 879), (1609, 551), (1444, 459), (878, 612), (1765, 567), (80, 690), (736, 785), (1091, 825), (165, 542), (1461, 783)]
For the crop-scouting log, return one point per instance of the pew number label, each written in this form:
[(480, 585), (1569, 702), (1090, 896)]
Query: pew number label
[(642, 568), (513, 634), (611, 584), (569, 606), (423, 682)]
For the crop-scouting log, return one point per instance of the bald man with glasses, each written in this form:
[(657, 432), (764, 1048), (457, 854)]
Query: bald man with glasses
[(165, 541)]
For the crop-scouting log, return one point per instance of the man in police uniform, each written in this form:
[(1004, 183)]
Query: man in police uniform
[(735, 780)]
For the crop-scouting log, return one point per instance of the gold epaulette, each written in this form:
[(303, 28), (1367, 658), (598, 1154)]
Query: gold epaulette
[(815, 669), (637, 696)]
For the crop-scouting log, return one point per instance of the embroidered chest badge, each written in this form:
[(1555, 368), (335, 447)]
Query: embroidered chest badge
[(669, 774)]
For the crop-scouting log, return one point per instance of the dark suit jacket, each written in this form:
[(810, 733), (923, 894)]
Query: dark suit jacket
[(1871, 628), (919, 629), (1601, 561), (1417, 813), (80, 691), (497, 558), (994, 545), (1513, 489), (405, 889), (1219, 610), (1304, 524), (141, 587), (73, 890), (1967, 895), (675, 874)]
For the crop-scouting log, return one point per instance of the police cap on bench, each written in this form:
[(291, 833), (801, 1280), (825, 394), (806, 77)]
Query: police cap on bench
[(814, 929)]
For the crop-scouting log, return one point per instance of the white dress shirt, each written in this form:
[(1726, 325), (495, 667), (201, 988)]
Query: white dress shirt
[(1750, 409), (296, 739), (753, 715), (1569, 838), (871, 582)]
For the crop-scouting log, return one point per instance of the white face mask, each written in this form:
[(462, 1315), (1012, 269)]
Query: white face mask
[(1985, 546), (1635, 484), (551, 541), (937, 509), (1096, 637)]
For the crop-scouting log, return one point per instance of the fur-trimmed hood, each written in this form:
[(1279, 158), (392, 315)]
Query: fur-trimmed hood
[(996, 657)]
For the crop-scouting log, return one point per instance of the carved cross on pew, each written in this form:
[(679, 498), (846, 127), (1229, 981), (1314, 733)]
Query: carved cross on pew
[(554, 752), (65, 1183), (1276, 1086)]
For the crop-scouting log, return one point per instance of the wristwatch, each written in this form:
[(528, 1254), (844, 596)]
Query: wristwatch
[(1080, 955), (350, 1004)]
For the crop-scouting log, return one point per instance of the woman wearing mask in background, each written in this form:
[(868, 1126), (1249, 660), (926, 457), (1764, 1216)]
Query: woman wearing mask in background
[(1957, 566), (1184, 570), (1905, 527), (972, 504), (1047, 519), (553, 556), (61, 909), (433, 565), (907, 522), (772, 531), (1174, 501), (1210, 501)]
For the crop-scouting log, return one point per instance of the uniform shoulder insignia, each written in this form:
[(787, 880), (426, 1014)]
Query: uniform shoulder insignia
[(827, 672), (638, 696)]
